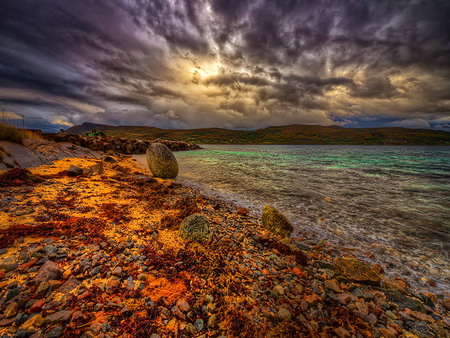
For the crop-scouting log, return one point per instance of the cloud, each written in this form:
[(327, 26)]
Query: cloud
[(410, 123), (240, 64)]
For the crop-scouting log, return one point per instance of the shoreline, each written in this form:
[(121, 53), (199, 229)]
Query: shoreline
[(364, 243), (124, 272)]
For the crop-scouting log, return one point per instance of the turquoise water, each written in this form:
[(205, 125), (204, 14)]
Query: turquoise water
[(391, 200)]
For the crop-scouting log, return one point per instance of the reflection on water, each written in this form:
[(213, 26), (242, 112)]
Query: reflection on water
[(393, 201)]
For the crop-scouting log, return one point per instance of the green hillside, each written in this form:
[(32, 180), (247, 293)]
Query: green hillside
[(292, 134)]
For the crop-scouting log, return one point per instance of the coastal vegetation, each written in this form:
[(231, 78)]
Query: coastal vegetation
[(13, 134), (99, 254), (292, 134)]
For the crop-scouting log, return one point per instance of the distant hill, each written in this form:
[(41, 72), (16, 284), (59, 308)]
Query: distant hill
[(292, 134)]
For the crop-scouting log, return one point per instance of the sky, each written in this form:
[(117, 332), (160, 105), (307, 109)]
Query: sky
[(237, 64)]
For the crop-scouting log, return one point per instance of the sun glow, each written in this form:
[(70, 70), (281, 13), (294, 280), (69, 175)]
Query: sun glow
[(206, 70)]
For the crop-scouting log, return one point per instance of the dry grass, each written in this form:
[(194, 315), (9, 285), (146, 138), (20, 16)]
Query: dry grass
[(10, 133), (13, 134)]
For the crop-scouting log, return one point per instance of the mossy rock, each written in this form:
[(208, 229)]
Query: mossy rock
[(195, 228), (276, 222), (354, 270), (161, 161)]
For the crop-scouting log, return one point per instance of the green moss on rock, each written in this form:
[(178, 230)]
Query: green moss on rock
[(276, 222), (161, 161), (354, 270), (196, 228)]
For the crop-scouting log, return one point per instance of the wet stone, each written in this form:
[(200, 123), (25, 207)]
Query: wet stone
[(13, 285), (12, 293), (48, 271), (333, 285), (403, 301), (43, 287), (199, 324), (278, 289), (284, 314), (8, 264), (55, 332), (58, 317), (183, 305), (95, 271), (11, 310)]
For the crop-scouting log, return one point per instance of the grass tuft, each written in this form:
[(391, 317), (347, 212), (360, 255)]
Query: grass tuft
[(10, 133), (13, 134)]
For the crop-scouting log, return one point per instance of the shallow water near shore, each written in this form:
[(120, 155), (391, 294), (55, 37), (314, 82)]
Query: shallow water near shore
[(391, 200)]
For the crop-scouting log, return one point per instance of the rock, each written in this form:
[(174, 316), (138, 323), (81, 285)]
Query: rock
[(36, 307), (43, 287), (55, 332), (403, 301), (333, 284), (47, 272), (284, 314), (74, 171), (35, 321), (342, 333), (7, 322), (58, 317), (97, 168), (183, 305), (212, 321), (117, 271), (196, 228), (11, 310), (23, 157), (199, 324), (278, 289), (12, 293), (356, 271), (276, 222), (69, 285), (242, 211), (386, 333), (8, 264), (109, 159), (161, 161)]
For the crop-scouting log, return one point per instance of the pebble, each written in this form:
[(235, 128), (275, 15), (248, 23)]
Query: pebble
[(58, 317), (117, 271), (284, 314), (199, 324), (43, 287), (35, 321), (8, 264), (55, 332), (183, 305), (11, 310), (278, 289), (333, 285)]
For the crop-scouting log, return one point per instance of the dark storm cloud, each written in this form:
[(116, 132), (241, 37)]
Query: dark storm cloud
[(283, 61)]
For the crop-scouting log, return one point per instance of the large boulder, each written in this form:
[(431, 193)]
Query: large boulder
[(17, 155), (161, 161), (276, 222), (196, 228)]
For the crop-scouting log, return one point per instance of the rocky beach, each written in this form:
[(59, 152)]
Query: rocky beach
[(91, 247)]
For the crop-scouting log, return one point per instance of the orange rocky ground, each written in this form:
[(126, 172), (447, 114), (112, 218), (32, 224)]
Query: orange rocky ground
[(98, 255)]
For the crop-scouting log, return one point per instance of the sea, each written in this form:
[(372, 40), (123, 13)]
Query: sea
[(386, 204)]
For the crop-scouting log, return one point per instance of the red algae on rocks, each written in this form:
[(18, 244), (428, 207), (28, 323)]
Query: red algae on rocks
[(122, 270)]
